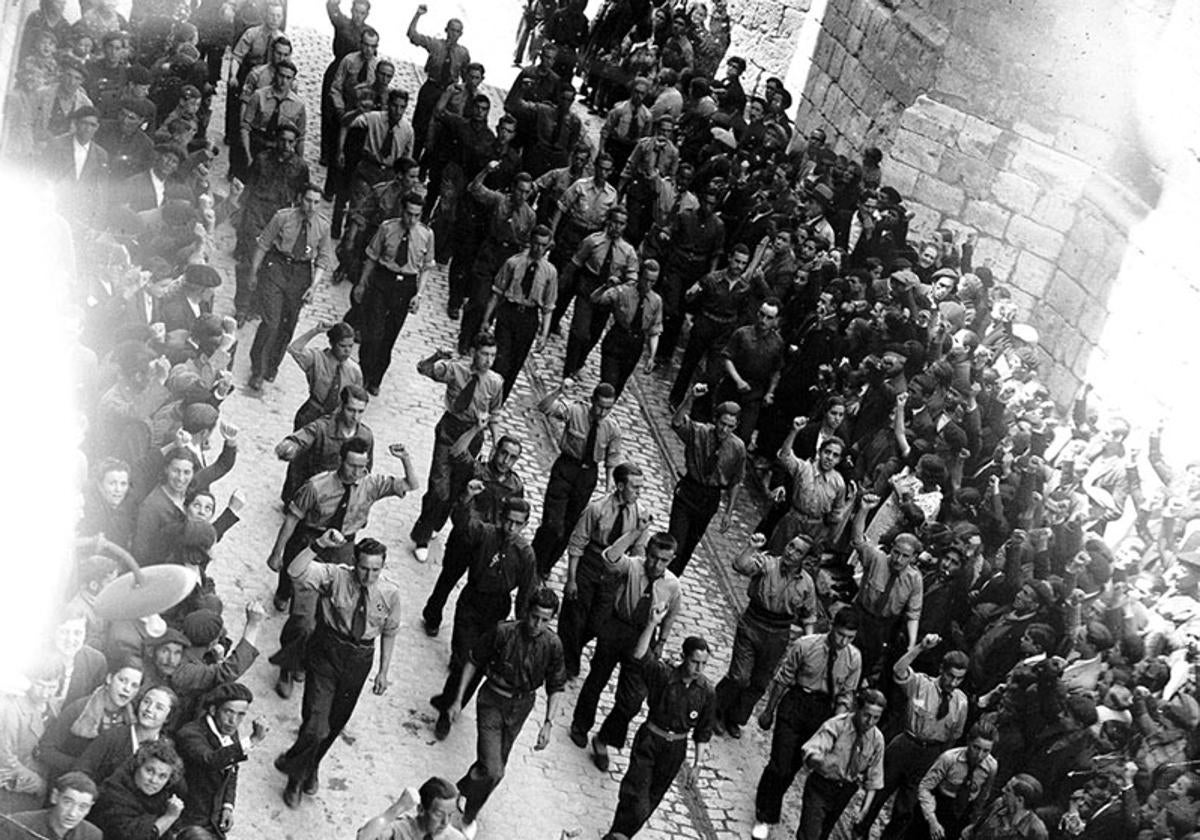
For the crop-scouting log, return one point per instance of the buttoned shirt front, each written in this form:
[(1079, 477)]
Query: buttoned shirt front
[(510, 282), (586, 204), (596, 524), (948, 773), (757, 354), (509, 223), (321, 369), (317, 500), (378, 127), (594, 250), (521, 663), (775, 590), (627, 122), (805, 665), (281, 233), (907, 593), (576, 418), (498, 564), (263, 105), (252, 48), (696, 237), (856, 757), (485, 400), (348, 75), (699, 442), (920, 713), (437, 48), (648, 157), (664, 589), (675, 704), (262, 77), (384, 248), (624, 299), (339, 589), (815, 493)]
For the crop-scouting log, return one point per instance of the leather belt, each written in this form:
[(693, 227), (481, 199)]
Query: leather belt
[(665, 734)]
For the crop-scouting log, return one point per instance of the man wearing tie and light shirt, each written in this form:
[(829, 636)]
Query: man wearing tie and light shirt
[(354, 607), (446, 62)]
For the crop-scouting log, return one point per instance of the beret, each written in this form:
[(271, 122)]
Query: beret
[(204, 276), (203, 626), (85, 111), (227, 692), (199, 417), (197, 533), (171, 637)]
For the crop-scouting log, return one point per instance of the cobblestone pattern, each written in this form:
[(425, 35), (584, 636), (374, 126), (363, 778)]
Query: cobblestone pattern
[(390, 742)]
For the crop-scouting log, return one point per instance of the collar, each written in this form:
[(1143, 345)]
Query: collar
[(225, 740)]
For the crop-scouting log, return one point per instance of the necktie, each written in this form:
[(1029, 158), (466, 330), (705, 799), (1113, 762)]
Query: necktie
[(273, 120), (943, 705), (527, 281), (333, 395), (589, 445), (962, 799), (710, 463), (606, 264), (339, 514), (400, 255), (358, 625), (635, 326), (617, 529), (363, 70), (463, 401), (444, 77), (882, 601), (300, 246), (385, 153), (641, 610), (830, 658)]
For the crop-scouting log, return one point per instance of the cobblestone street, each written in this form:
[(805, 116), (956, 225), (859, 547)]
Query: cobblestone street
[(390, 742)]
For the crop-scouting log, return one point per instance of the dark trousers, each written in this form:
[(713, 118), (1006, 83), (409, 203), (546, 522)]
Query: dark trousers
[(427, 98), (757, 651), (874, 641), (435, 504), (587, 324), (653, 764), (705, 341), (568, 490), (337, 670), (498, 722), (465, 239), (823, 803), (490, 258), (613, 647), (302, 614), (904, 763), (456, 560), (582, 616), (329, 120), (692, 508), (384, 311), (516, 330), (951, 822), (619, 354), (565, 245), (475, 614), (798, 717), (281, 288)]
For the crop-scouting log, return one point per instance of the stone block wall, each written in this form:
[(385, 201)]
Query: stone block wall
[(764, 32)]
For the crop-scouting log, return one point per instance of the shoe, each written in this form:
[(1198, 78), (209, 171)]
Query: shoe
[(718, 726), (281, 603), (442, 728), (734, 730), (431, 630), (437, 702), (599, 755), (579, 738), (760, 831), (281, 763), (373, 390), (297, 676), (454, 312), (312, 785), (283, 685), (254, 383), (421, 552), (291, 795), (270, 377), (470, 829)]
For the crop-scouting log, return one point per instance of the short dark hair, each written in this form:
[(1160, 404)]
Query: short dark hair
[(692, 644), (512, 503), (436, 788), (180, 453), (76, 780), (369, 547), (955, 659), (871, 697), (846, 619), (485, 338), (397, 93), (623, 471), (663, 541), (545, 598), (983, 729), (604, 391), (162, 750), (404, 164), (352, 391), (368, 32), (356, 445), (542, 230)]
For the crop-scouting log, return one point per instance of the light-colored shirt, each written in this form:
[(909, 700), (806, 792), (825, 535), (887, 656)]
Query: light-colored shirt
[(663, 590), (81, 154), (587, 205), (321, 369), (907, 595), (623, 300), (577, 421), (596, 523), (920, 713), (460, 57), (510, 282), (282, 231), (487, 397), (347, 76), (339, 589), (814, 493), (318, 498), (385, 246), (774, 590), (856, 758), (805, 665), (263, 104), (593, 252), (378, 129), (948, 774)]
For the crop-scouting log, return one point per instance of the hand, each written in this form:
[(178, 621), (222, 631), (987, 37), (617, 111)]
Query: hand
[(543, 738), (726, 521), (493, 166), (381, 683), (275, 561), (397, 450), (341, 160), (743, 385), (237, 500), (936, 832), (648, 367), (658, 612), (414, 303), (570, 590), (768, 398), (259, 729), (454, 711), (159, 330), (902, 400), (236, 188), (699, 389), (757, 541), (183, 438), (475, 486), (229, 430), (799, 423), (422, 9), (331, 539), (870, 500), (255, 611), (766, 720), (358, 291), (174, 807), (778, 495), (225, 821), (930, 641)]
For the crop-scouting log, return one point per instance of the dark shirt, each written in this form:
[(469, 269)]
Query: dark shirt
[(757, 357), (520, 663), (498, 566), (695, 239), (675, 705), (698, 442), (722, 301), (128, 154), (39, 823), (470, 143), (271, 185)]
